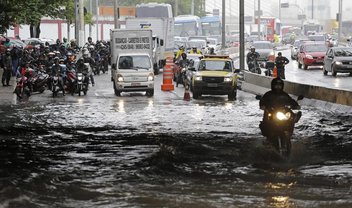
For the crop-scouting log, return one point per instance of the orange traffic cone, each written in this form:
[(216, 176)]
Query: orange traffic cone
[(186, 95), (274, 74), (168, 75)]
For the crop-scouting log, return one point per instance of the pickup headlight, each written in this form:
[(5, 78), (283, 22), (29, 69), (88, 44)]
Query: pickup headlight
[(338, 62), (228, 79), (198, 78), (309, 57), (151, 77)]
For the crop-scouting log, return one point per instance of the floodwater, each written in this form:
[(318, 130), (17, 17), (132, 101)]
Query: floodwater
[(143, 152)]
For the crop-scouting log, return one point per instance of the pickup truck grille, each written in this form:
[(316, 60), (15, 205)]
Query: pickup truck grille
[(213, 79)]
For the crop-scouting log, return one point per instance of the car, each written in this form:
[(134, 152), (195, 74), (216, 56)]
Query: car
[(265, 50), (37, 41), (216, 75), (311, 53), (295, 48), (18, 43), (338, 59)]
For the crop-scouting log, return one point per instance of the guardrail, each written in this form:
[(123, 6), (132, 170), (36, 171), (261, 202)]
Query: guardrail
[(260, 84)]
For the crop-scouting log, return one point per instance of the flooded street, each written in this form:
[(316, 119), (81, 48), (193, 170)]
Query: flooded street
[(134, 151)]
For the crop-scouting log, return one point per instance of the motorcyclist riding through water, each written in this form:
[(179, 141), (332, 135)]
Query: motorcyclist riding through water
[(273, 101)]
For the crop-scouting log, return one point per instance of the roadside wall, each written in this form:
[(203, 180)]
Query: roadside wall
[(260, 84)]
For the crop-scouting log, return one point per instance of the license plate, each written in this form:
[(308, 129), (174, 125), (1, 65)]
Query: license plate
[(319, 61), (135, 84), (212, 85)]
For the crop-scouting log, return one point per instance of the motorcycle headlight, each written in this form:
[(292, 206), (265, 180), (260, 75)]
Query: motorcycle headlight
[(80, 77), (198, 78), (150, 77), (283, 116), (228, 79)]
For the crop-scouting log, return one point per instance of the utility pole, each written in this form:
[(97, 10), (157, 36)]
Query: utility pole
[(312, 9), (223, 41), (280, 10), (81, 20), (192, 8), (91, 11), (77, 21), (242, 35), (259, 36), (97, 18), (176, 8), (340, 21), (116, 14)]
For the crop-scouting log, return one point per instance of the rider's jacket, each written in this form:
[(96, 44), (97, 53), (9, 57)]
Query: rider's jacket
[(252, 56)]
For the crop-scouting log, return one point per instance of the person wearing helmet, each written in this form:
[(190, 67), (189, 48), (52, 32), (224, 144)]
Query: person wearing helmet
[(180, 52), (58, 70), (211, 51), (91, 62), (7, 66), (280, 62), (273, 99), (252, 57), (195, 51)]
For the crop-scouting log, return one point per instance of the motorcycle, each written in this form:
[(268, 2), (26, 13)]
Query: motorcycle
[(254, 67), (81, 83), (22, 88), (70, 81), (182, 77), (278, 128), (56, 86), (39, 82), (269, 68)]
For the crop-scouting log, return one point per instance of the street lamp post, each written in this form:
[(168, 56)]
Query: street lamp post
[(340, 21)]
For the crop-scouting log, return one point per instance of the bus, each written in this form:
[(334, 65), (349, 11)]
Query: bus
[(154, 10), (273, 27), (211, 25), (311, 26), (187, 25)]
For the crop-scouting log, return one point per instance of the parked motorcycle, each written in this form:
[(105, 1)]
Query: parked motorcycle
[(254, 67), (278, 128)]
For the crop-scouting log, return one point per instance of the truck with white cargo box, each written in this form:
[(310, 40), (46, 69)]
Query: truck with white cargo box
[(131, 58), (163, 33)]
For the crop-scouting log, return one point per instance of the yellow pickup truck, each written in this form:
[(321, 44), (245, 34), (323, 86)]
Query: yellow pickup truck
[(215, 75)]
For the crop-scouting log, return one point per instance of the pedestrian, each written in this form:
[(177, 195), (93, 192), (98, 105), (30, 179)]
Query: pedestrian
[(280, 62), (7, 66)]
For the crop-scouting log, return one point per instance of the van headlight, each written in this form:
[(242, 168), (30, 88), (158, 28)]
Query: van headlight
[(228, 79), (198, 78), (150, 77), (338, 62), (119, 78)]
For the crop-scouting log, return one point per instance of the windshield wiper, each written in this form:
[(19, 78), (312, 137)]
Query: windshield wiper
[(139, 67)]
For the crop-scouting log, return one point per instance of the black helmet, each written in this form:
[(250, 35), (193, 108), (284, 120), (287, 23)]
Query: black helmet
[(279, 54), (277, 85)]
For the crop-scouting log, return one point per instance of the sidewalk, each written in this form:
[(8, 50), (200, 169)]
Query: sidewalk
[(6, 93)]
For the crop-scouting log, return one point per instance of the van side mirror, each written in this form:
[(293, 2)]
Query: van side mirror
[(161, 42), (113, 66)]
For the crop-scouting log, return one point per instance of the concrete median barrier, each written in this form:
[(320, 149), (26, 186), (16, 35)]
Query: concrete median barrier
[(260, 84)]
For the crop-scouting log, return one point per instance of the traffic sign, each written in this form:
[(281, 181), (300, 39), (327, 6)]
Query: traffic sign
[(285, 5)]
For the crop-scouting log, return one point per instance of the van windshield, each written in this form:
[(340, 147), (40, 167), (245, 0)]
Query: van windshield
[(134, 62)]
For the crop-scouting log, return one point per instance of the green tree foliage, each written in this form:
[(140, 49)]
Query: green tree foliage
[(31, 11)]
